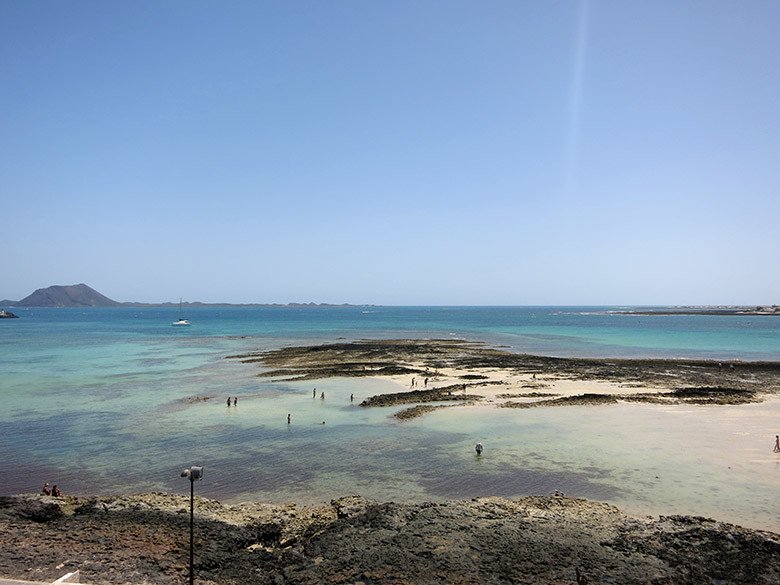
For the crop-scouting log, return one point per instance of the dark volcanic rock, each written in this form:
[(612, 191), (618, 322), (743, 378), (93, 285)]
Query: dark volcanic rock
[(144, 539), (43, 509), (694, 381)]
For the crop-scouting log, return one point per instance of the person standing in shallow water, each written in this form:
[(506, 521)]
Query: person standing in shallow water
[(228, 402), (777, 444)]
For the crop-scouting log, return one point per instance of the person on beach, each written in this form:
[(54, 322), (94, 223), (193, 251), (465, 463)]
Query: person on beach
[(288, 419), (235, 401), (314, 393), (425, 384), (228, 402), (777, 444), (322, 396), (55, 491), (46, 491), (412, 384), (352, 398)]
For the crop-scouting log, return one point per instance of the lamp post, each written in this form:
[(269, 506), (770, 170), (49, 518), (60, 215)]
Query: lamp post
[(192, 473)]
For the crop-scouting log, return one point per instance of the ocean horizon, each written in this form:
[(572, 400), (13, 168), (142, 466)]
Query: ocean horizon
[(111, 400)]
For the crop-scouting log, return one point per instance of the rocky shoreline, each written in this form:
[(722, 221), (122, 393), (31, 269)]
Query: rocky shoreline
[(463, 373), (552, 540)]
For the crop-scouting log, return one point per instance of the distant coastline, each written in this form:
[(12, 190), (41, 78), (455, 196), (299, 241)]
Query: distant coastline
[(82, 296), (185, 305), (239, 305), (704, 310)]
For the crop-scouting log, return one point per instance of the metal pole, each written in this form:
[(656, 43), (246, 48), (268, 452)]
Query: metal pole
[(192, 532)]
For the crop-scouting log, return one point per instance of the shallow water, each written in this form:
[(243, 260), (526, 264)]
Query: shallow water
[(104, 400)]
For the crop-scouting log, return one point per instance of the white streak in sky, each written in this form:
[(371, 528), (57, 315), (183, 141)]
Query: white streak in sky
[(575, 101)]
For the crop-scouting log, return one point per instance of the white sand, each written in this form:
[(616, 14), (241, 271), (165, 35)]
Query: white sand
[(513, 383)]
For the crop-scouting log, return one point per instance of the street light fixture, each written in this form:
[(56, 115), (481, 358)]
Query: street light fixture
[(192, 473)]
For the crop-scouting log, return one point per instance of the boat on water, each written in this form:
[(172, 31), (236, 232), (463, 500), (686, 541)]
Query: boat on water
[(182, 320)]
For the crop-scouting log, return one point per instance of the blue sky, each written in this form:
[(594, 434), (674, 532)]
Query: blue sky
[(507, 152)]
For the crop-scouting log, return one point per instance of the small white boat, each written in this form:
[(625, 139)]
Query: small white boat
[(182, 320)]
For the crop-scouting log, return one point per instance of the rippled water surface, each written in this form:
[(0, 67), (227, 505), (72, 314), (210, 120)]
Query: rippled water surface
[(117, 400)]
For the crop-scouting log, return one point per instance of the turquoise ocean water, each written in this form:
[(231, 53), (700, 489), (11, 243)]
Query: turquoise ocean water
[(101, 401)]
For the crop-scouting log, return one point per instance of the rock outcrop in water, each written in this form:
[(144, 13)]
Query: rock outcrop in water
[(144, 539), (672, 381)]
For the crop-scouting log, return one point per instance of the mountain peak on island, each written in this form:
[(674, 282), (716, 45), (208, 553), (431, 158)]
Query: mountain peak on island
[(74, 295), (81, 295)]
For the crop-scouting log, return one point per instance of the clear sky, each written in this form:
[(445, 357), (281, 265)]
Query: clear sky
[(392, 152)]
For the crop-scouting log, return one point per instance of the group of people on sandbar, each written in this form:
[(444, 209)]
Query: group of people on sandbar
[(53, 491), (414, 383)]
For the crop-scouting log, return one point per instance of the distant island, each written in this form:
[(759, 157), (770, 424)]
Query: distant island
[(81, 295)]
